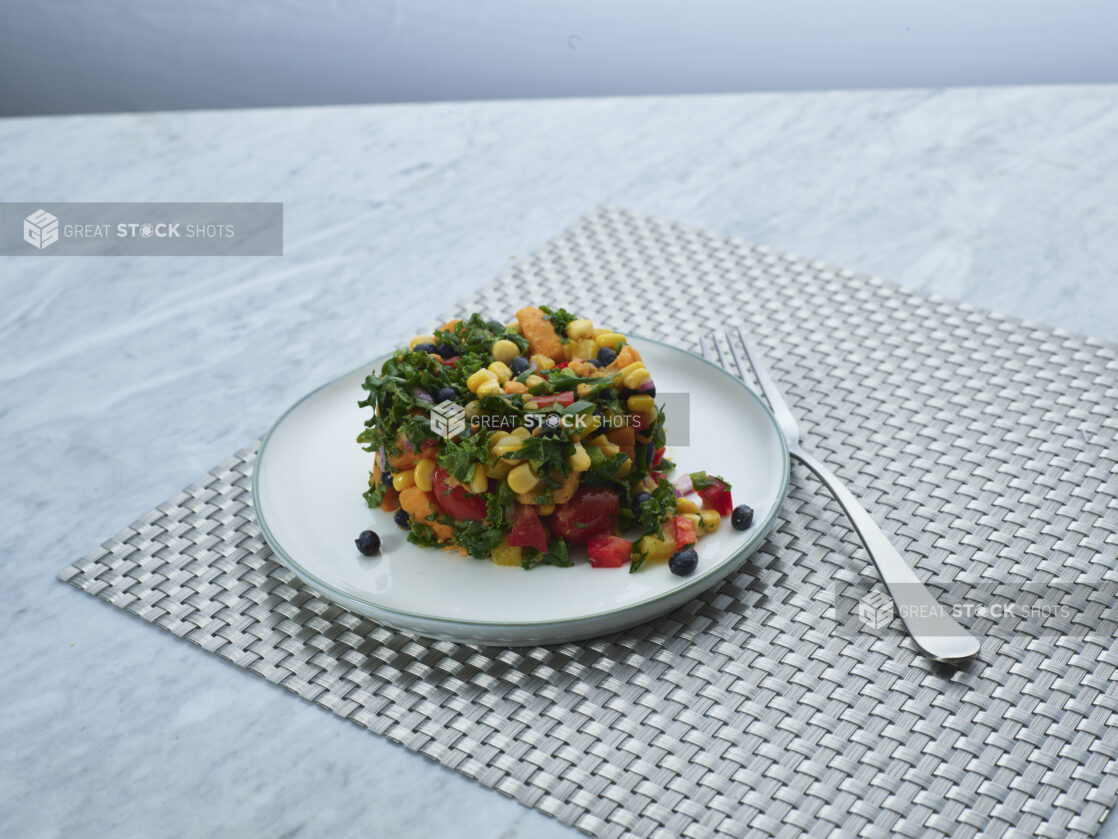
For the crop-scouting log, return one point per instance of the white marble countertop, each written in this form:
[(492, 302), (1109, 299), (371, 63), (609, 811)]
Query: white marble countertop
[(122, 380)]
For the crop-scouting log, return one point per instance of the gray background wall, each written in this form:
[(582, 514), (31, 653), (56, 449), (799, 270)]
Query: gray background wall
[(60, 56)]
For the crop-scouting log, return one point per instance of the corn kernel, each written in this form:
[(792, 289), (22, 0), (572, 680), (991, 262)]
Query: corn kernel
[(507, 444), (475, 380), (686, 505), (640, 403), (403, 480), (711, 519), (601, 330), (506, 554), (501, 371), (532, 381), (521, 432), (581, 328), (479, 480), (609, 339), (472, 409), (636, 378), (625, 468), (610, 449), (504, 350), (586, 348), (546, 509), (629, 368), (580, 460), (523, 479), (489, 388), (421, 339), (500, 470), (424, 474), (543, 362), (696, 519), (513, 326)]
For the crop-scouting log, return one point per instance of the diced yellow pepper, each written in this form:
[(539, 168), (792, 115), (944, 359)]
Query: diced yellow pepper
[(543, 362), (505, 554)]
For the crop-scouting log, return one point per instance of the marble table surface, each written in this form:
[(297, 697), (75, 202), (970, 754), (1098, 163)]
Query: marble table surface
[(122, 380)]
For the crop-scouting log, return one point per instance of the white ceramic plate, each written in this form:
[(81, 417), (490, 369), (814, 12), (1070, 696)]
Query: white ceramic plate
[(307, 490)]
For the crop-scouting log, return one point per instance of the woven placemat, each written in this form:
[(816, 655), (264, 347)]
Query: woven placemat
[(986, 446)]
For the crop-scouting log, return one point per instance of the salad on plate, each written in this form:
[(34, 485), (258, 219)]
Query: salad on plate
[(516, 442)]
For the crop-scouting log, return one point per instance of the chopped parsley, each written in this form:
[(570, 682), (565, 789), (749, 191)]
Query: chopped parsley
[(560, 319)]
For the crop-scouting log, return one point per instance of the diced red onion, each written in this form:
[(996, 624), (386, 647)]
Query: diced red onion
[(422, 395), (382, 458), (645, 387), (683, 486)]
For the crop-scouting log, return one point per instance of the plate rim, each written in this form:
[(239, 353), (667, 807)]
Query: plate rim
[(334, 594)]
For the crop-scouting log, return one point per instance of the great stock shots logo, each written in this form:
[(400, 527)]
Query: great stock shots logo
[(448, 419), (875, 610), (33, 229), (40, 229)]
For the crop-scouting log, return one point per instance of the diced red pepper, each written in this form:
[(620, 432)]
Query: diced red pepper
[(716, 496), (657, 476), (527, 529), (450, 362), (567, 397), (561, 365), (684, 532), (606, 551), (658, 455), (455, 501)]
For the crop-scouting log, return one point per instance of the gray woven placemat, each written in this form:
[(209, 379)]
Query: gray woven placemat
[(985, 445)]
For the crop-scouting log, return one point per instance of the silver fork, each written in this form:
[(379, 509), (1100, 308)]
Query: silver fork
[(934, 631)]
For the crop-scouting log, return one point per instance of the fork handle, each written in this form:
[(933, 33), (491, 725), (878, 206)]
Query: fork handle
[(933, 630)]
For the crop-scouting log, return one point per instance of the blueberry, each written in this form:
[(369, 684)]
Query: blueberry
[(593, 362), (607, 395), (551, 426), (742, 517), (386, 478), (639, 499), (683, 563), (519, 365), (649, 453), (445, 394), (446, 350), (606, 355), (368, 543), (425, 347), (401, 519)]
